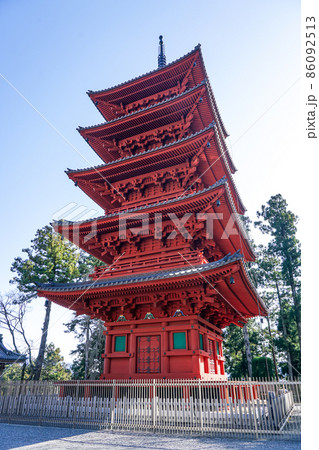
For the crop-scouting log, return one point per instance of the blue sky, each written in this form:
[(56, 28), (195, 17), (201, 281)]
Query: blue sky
[(53, 52)]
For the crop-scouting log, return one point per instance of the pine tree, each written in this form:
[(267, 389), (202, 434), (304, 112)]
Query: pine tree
[(54, 367), (236, 364), (88, 363), (280, 277), (281, 224), (49, 259)]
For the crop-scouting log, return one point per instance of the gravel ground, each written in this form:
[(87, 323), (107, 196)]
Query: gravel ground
[(49, 438)]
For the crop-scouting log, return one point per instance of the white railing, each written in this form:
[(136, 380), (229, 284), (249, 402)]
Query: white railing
[(233, 408)]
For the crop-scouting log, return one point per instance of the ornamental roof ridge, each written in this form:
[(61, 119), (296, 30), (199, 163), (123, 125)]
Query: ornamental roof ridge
[(167, 100), (218, 183), (145, 74), (223, 152), (212, 94), (162, 274), (239, 221), (253, 286), (171, 144)]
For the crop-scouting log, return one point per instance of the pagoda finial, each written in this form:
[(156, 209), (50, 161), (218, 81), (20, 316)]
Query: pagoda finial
[(161, 53)]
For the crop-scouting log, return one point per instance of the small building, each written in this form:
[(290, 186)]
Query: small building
[(8, 357)]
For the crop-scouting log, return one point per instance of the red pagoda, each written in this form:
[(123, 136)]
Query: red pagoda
[(171, 237)]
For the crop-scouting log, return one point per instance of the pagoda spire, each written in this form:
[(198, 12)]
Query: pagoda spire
[(161, 53)]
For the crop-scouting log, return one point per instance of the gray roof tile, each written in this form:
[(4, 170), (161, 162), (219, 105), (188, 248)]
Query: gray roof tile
[(143, 207), (8, 356), (138, 278)]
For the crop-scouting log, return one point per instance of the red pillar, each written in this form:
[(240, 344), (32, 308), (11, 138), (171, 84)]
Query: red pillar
[(165, 359), (108, 348), (132, 349), (194, 346)]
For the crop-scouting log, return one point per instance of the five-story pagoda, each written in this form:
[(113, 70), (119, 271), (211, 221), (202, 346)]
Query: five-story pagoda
[(171, 237)]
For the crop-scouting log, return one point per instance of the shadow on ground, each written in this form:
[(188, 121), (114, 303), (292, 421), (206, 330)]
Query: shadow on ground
[(15, 436), (52, 438)]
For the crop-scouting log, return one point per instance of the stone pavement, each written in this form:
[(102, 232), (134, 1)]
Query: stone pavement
[(51, 438)]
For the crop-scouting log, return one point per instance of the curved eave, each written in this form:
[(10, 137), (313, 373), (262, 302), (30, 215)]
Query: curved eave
[(95, 95), (135, 165), (240, 296), (217, 115), (240, 207), (192, 202), (123, 119), (124, 165), (140, 78), (187, 272), (243, 295), (224, 149), (230, 171), (112, 103), (81, 234), (242, 241), (73, 173), (9, 357), (66, 225), (212, 96)]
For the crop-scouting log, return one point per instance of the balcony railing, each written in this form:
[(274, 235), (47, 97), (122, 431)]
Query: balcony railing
[(149, 265)]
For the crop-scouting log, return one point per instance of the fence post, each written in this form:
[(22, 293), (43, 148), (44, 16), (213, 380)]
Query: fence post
[(75, 403), (200, 406), (156, 401), (10, 403), (113, 405), (42, 402), (154, 404), (253, 407)]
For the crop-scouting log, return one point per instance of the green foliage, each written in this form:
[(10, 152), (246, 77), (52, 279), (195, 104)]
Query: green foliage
[(276, 274), (88, 362), (281, 225), (50, 258), (234, 348), (234, 352), (54, 367), (279, 280), (14, 372), (263, 367)]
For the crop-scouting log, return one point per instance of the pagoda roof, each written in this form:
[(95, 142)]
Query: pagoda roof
[(142, 277), (130, 125), (140, 78), (182, 204), (109, 123), (114, 101), (127, 159), (126, 87), (213, 272), (130, 165), (141, 208), (8, 356)]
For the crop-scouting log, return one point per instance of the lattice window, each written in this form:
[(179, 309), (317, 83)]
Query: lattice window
[(148, 354)]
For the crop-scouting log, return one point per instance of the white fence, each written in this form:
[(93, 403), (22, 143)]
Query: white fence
[(233, 408)]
